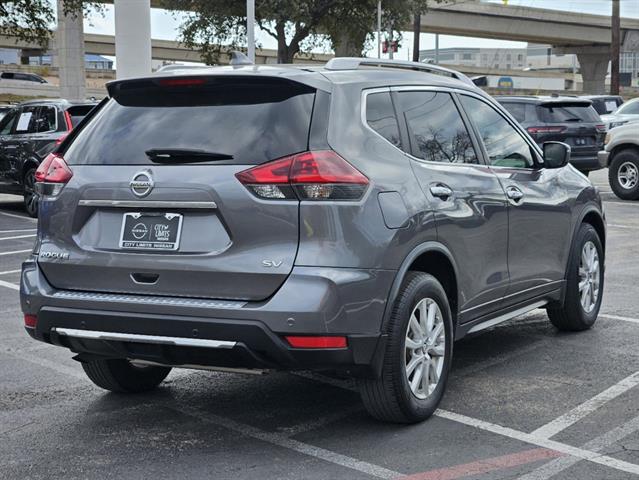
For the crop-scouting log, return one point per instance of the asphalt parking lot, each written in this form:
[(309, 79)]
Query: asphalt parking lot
[(523, 401)]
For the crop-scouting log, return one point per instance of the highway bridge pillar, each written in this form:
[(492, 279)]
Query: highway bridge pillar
[(70, 54), (132, 37), (594, 67)]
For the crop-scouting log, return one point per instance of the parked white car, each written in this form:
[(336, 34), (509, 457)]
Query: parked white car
[(626, 113), (621, 155)]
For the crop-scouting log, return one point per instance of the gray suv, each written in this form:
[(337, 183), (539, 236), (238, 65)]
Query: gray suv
[(355, 218)]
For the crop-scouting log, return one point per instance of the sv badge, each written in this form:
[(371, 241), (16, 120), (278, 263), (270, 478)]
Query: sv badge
[(271, 263)]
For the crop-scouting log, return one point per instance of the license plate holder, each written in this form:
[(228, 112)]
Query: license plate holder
[(151, 231)]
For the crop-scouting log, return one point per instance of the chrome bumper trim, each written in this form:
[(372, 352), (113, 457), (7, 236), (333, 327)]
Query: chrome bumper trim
[(134, 337), (147, 204)]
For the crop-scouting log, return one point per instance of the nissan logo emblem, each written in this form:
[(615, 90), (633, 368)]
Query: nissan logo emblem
[(141, 184)]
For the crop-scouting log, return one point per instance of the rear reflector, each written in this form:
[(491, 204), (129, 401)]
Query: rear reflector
[(30, 321), (317, 342), (535, 130), (318, 175)]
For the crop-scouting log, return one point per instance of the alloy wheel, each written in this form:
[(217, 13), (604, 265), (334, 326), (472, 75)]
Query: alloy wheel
[(425, 348), (628, 175), (589, 277)]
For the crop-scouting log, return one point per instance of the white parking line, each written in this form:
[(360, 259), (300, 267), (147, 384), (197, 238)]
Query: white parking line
[(15, 237), (12, 286), (20, 230), (19, 216), (16, 251), (611, 437), (542, 442), (628, 227), (617, 317), (573, 416), (290, 444), (43, 362), (7, 272)]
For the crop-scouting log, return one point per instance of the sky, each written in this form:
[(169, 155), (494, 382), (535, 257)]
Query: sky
[(165, 26)]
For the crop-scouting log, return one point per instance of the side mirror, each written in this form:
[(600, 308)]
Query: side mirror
[(556, 154)]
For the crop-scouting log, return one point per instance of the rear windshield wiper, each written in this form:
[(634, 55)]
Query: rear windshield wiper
[(573, 119), (184, 155)]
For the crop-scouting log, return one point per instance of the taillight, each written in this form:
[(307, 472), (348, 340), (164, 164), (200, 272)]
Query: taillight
[(30, 321), (52, 175), (601, 128), (67, 120), (536, 130), (318, 175), (316, 342)]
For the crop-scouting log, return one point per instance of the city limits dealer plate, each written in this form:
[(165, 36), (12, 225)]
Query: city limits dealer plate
[(151, 231)]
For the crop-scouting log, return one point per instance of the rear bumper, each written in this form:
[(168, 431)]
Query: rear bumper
[(313, 301), (604, 158)]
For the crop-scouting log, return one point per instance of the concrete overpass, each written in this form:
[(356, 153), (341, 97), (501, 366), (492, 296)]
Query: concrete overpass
[(160, 50)]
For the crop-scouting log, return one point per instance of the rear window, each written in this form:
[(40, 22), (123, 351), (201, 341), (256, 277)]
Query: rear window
[(252, 121), (564, 113), (517, 110)]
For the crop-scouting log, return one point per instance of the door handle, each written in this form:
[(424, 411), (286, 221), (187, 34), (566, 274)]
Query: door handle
[(441, 191), (514, 194)]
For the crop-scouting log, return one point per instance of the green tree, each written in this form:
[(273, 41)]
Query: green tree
[(214, 26), (32, 20)]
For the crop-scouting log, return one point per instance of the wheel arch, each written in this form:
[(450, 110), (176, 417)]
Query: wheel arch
[(432, 258), (619, 148), (31, 162)]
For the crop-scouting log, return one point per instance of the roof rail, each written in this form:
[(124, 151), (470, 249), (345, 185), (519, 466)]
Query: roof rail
[(353, 63)]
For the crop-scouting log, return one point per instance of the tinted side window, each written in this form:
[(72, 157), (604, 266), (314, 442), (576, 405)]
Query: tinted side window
[(380, 116), (517, 110), (437, 132), (46, 119), (505, 146), (7, 122)]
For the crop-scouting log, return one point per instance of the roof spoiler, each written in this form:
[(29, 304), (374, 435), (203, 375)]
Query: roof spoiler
[(353, 63)]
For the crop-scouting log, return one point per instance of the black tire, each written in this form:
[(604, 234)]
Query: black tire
[(30, 196), (629, 160), (121, 376), (390, 398), (572, 317)]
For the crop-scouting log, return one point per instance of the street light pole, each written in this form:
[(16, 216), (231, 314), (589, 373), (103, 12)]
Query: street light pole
[(379, 29), (614, 48), (250, 29)]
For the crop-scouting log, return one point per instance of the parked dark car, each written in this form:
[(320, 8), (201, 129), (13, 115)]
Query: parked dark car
[(355, 217), (570, 120), (28, 133), (605, 104), (22, 76)]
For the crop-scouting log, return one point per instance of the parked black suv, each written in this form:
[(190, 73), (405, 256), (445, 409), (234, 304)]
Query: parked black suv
[(28, 133), (356, 217), (605, 104), (570, 120)]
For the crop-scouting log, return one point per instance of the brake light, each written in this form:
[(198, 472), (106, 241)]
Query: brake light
[(601, 128), (318, 175), (317, 342), (182, 82), (30, 321), (52, 175), (67, 120), (536, 130)]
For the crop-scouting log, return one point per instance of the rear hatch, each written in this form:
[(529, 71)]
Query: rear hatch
[(576, 123), (154, 206)]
